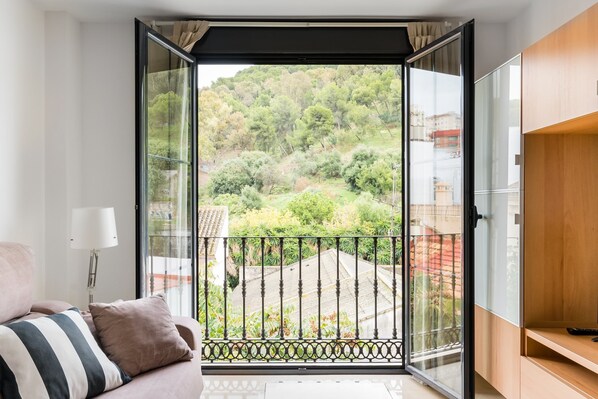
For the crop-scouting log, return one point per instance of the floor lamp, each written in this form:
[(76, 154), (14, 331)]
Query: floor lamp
[(93, 229)]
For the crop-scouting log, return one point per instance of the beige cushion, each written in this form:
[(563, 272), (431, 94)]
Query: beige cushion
[(16, 280), (178, 381), (139, 335)]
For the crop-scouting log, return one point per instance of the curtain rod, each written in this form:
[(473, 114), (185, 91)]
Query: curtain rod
[(273, 24)]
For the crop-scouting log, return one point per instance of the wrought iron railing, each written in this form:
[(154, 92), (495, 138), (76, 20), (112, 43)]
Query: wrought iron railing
[(314, 299), (436, 289), (298, 299)]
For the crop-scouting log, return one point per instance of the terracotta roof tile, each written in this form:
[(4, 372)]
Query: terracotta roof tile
[(210, 223)]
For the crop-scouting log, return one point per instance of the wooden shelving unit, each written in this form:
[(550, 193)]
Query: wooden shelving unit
[(572, 361), (579, 349), (560, 218)]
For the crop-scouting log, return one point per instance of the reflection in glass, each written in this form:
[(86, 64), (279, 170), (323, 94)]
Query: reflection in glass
[(168, 196), (497, 191), (436, 209)]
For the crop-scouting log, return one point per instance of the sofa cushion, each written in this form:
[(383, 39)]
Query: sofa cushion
[(180, 380), (54, 356), (16, 284), (139, 335)]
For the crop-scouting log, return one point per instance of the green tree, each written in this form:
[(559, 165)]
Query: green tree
[(220, 127), (232, 176), (319, 121), (260, 167), (375, 178), (360, 120), (251, 168), (247, 91), (251, 198), (361, 159), (232, 202), (311, 207), (373, 215), (285, 112), (330, 165), (337, 100), (261, 124)]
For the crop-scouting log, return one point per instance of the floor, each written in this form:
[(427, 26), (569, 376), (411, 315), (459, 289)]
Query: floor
[(399, 386)]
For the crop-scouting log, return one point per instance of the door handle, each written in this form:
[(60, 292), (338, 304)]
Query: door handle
[(476, 217)]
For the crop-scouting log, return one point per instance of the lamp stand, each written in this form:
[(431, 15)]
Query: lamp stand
[(93, 272)]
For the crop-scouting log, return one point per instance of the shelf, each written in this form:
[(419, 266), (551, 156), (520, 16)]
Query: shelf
[(585, 124), (570, 373), (578, 349)]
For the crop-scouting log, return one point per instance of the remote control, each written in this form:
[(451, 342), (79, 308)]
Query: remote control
[(582, 331)]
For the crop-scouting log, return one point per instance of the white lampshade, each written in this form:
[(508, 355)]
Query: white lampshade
[(93, 228)]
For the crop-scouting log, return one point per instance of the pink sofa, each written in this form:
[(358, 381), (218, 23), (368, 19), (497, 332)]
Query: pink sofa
[(180, 380)]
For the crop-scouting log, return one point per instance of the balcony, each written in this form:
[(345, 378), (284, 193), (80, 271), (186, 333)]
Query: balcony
[(318, 300)]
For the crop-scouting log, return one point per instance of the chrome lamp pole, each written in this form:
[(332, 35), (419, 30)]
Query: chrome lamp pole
[(93, 229)]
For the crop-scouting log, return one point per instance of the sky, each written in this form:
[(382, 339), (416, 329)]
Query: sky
[(208, 74)]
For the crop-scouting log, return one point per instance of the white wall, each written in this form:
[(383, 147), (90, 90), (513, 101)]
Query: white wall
[(89, 151), (496, 43), (66, 268), (539, 19), (490, 47), (22, 128), (109, 146)]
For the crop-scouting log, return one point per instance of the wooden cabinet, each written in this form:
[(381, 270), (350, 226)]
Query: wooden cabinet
[(561, 229), (498, 235), (560, 79), (559, 108), (558, 365), (538, 382), (560, 218), (560, 265)]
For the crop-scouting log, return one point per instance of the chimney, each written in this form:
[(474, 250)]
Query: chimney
[(443, 194)]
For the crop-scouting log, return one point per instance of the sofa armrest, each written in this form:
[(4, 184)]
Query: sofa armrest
[(50, 307), (189, 330)]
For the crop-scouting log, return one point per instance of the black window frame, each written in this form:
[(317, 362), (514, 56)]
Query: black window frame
[(235, 55)]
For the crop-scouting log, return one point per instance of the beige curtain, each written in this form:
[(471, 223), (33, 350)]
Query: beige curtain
[(444, 60), (183, 33), (423, 33), (187, 33)]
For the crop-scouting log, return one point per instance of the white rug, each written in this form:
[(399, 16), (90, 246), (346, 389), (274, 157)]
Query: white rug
[(326, 390)]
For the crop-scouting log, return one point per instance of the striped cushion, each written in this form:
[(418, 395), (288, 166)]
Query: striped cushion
[(54, 357)]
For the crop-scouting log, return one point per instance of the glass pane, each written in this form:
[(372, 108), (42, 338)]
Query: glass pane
[(168, 195), (436, 209), (497, 254), (497, 124), (497, 191)]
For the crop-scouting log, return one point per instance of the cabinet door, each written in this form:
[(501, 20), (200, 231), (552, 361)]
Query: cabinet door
[(497, 191), (560, 75)]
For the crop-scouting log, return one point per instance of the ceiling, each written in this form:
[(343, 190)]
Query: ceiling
[(120, 10)]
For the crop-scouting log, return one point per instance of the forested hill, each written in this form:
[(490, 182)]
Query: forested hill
[(283, 109)]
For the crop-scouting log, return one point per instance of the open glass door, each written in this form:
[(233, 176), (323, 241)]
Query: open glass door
[(166, 171), (440, 213)]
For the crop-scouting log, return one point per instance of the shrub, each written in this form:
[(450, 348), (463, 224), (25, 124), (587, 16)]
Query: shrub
[(251, 198), (252, 168), (330, 165), (304, 164), (232, 176), (232, 201), (361, 159), (375, 178), (311, 207)]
